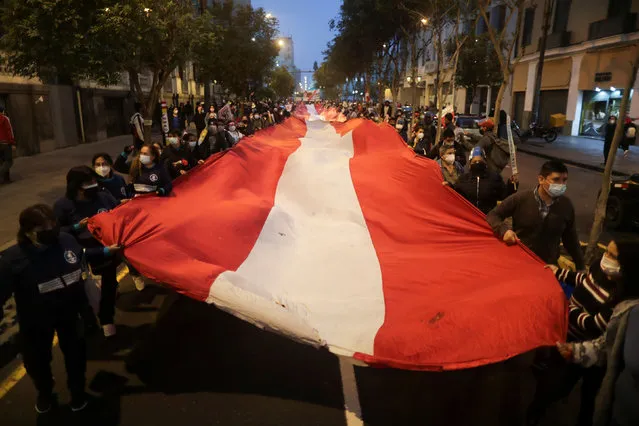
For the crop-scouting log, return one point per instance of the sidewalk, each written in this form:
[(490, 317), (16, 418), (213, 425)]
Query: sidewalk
[(42, 179), (582, 152)]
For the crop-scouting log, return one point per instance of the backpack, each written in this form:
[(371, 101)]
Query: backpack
[(499, 153)]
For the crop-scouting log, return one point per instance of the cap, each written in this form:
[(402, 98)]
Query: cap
[(477, 152), (486, 123)]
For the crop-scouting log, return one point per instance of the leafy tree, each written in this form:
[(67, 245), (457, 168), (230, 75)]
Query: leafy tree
[(478, 64), (329, 79), (68, 40), (282, 82), (315, 66), (245, 50), (47, 39)]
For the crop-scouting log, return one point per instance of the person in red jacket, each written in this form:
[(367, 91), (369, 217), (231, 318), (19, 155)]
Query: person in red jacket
[(6, 147)]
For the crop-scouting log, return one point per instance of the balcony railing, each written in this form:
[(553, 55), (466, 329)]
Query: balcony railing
[(559, 39), (615, 25)]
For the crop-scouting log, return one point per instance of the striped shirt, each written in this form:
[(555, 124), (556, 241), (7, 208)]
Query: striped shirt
[(590, 304)]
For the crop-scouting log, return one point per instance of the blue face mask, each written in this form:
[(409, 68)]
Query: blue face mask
[(556, 190)]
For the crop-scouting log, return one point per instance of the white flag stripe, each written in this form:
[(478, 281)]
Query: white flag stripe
[(315, 250)]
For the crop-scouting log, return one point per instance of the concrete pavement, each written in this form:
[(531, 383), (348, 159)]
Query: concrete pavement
[(582, 152)]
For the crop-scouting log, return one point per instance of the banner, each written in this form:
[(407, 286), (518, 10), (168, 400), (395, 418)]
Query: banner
[(315, 230)]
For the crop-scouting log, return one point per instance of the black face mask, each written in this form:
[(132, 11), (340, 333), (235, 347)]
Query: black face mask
[(48, 237), (478, 168)]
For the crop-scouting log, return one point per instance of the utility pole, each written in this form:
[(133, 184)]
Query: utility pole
[(548, 7)]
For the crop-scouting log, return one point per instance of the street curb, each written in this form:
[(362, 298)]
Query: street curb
[(571, 162)]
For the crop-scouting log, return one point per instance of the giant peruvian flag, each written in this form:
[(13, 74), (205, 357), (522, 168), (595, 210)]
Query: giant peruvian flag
[(338, 235)]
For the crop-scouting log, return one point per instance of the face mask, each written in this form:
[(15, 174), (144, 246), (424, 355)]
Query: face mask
[(420, 136), (556, 190), (173, 141), (103, 170), (90, 191), (231, 128), (450, 158), (48, 237), (610, 267), (192, 144), (399, 126), (478, 168), (145, 159)]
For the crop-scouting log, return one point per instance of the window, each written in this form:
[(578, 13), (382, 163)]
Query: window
[(562, 12), (529, 19), (482, 26), (498, 17), (618, 7)]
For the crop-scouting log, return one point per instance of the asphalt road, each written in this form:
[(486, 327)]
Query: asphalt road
[(178, 361)]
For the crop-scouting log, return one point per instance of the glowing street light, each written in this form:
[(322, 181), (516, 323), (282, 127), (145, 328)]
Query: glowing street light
[(424, 21), (252, 38), (269, 15), (280, 43)]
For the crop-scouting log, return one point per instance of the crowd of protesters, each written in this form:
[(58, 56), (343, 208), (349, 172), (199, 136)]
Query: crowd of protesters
[(56, 253)]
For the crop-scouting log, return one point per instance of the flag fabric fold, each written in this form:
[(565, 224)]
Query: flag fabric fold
[(335, 234)]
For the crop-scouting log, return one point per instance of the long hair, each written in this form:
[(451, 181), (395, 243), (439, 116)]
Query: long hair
[(31, 218), (136, 166)]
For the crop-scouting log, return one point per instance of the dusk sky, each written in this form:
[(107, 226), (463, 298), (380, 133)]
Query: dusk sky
[(307, 22)]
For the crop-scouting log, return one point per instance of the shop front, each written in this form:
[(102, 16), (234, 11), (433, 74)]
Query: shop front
[(597, 106), (602, 78)]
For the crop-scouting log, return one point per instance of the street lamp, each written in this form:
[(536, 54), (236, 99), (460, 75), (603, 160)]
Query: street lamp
[(252, 38), (280, 43), (424, 21), (268, 16)]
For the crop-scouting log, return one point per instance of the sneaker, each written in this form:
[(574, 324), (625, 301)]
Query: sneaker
[(44, 403), (139, 282), (79, 402), (109, 330)]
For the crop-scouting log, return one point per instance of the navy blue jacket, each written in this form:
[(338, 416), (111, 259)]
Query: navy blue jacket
[(69, 213), (155, 179), (115, 185), (47, 282)]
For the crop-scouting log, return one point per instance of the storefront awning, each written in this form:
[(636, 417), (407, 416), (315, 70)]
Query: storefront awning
[(613, 66)]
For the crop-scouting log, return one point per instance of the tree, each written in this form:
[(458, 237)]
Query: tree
[(47, 39), (478, 64), (315, 66), (602, 200), (244, 51), (147, 36), (549, 6), (503, 43), (69, 40), (282, 82)]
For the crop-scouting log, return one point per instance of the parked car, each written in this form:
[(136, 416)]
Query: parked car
[(471, 129), (623, 203)]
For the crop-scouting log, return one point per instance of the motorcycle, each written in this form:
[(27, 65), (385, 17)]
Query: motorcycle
[(549, 134)]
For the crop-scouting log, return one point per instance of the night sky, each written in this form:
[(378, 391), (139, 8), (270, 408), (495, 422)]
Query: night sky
[(307, 22)]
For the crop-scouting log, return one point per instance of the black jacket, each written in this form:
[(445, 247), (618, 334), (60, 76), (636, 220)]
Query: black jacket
[(541, 235), (483, 191), (200, 122), (47, 282), (175, 160), (71, 212)]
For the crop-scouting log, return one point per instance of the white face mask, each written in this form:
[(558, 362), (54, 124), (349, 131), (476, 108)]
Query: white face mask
[(173, 141), (231, 128), (90, 186), (145, 159), (103, 170), (449, 158), (399, 126), (420, 136), (192, 144), (609, 266)]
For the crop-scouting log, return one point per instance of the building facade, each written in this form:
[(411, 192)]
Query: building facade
[(590, 46)]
